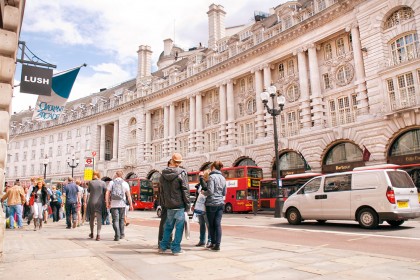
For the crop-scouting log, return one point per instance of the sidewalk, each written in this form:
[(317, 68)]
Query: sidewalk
[(58, 253)]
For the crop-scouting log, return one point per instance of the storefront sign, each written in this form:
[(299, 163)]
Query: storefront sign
[(342, 167), (36, 80), (406, 159)]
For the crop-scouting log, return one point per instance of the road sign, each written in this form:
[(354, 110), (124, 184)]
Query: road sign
[(88, 174), (88, 161), (93, 153)]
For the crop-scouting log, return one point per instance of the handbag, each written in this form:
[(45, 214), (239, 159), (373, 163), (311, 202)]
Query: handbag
[(200, 204), (187, 225), (31, 200)]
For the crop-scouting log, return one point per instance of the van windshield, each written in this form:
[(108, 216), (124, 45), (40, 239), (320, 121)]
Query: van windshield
[(400, 179)]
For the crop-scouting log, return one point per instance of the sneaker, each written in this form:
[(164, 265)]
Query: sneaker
[(178, 253), (200, 244), (209, 246), (215, 248), (160, 251), (122, 236), (116, 239)]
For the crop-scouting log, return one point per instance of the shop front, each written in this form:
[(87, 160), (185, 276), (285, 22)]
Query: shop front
[(342, 157)]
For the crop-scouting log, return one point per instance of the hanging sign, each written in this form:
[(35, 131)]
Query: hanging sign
[(36, 80)]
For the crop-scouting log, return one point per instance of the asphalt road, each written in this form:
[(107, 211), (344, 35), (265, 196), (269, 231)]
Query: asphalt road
[(403, 241)]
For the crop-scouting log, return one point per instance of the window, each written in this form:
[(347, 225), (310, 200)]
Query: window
[(25, 155), (51, 138), (58, 150), (247, 133), (42, 140), (287, 22), (311, 186), (343, 110), (321, 5), (250, 83), (251, 106), (108, 147), (281, 70), (16, 157), (240, 195), (68, 149), (9, 157), (25, 143), (33, 154), (34, 142), (133, 135), (69, 134), (327, 82), (405, 48), (87, 144), (350, 42), (131, 156), (15, 171), (157, 152), (78, 132), (187, 125), (17, 145), (87, 129), (327, 52), (183, 146), (23, 170), (292, 93), (337, 183), (242, 84), (290, 124), (42, 154), (344, 74), (212, 138), (290, 67), (398, 17), (60, 136), (340, 46), (406, 95), (50, 151)]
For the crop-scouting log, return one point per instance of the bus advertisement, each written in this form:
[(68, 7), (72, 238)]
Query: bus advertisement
[(242, 187), (289, 185), (141, 193)]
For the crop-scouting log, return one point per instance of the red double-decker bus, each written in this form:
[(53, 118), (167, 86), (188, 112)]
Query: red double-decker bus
[(289, 185), (242, 187), (141, 193)]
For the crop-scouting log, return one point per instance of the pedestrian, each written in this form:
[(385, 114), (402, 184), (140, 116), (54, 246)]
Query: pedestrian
[(106, 212), (38, 200), (97, 190), (163, 213), (15, 199), (70, 192), (55, 203), (84, 203), (216, 192), (48, 207), (28, 194), (117, 192), (80, 195), (175, 197), (202, 218)]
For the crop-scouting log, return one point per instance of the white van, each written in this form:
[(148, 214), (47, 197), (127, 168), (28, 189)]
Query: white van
[(369, 197)]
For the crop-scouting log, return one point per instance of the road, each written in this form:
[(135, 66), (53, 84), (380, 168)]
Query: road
[(403, 241)]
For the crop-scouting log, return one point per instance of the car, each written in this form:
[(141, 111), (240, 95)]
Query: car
[(368, 196)]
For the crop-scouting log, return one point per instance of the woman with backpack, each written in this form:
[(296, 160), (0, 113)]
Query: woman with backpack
[(55, 203)]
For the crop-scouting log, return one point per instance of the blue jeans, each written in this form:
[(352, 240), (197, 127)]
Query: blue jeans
[(18, 210), (175, 218), (214, 215), (71, 213), (118, 215), (204, 224)]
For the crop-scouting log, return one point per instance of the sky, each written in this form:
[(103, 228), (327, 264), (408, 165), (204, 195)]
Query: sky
[(106, 34)]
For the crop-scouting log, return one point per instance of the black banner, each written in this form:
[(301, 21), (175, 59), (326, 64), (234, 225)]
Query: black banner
[(36, 80)]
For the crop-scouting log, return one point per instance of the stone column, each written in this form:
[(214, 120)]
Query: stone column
[(222, 102), (259, 87), (316, 104), (148, 136), (102, 145), (268, 118), (230, 107), (199, 137), (305, 105), (165, 146), (115, 141), (172, 128), (362, 98), (191, 136)]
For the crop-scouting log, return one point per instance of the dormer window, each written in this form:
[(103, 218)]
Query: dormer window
[(398, 17)]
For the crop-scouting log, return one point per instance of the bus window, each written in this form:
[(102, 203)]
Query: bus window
[(192, 177), (252, 194), (255, 173), (239, 173), (240, 195)]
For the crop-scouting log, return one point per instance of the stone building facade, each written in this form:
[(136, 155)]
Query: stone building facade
[(11, 14), (349, 71)]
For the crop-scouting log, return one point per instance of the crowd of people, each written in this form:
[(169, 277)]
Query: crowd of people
[(100, 198)]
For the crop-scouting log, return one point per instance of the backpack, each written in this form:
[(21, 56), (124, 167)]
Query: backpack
[(117, 190), (54, 197)]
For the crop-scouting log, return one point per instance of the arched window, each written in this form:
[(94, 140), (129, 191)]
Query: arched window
[(290, 67), (281, 70), (292, 93), (398, 17), (242, 84), (215, 116), (187, 125), (246, 162), (344, 74), (161, 132), (291, 160), (342, 153), (340, 46), (408, 143), (250, 83), (405, 48)]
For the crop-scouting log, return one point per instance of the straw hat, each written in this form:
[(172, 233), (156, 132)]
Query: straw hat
[(177, 158)]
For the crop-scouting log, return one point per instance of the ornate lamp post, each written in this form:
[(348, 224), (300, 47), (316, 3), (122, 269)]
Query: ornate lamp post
[(274, 112), (45, 161), (74, 163)]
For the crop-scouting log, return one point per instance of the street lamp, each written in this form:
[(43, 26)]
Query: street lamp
[(274, 112), (45, 161), (74, 163)]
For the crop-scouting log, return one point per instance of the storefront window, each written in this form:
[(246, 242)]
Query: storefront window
[(246, 162), (342, 153), (408, 143)]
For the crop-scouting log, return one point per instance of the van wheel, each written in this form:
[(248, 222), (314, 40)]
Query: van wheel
[(321, 221), (368, 218), (293, 216), (395, 223), (159, 212), (228, 208)]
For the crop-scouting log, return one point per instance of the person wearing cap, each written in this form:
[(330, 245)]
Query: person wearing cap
[(70, 192), (175, 196), (15, 199)]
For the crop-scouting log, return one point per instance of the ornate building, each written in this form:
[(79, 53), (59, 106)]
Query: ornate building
[(349, 71)]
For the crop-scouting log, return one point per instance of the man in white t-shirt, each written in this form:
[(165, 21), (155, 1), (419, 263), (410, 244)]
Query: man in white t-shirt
[(116, 194)]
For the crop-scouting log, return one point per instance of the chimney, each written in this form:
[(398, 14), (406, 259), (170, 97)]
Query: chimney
[(217, 29), (167, 46), (144, 61)]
